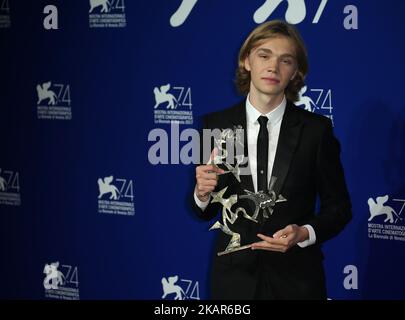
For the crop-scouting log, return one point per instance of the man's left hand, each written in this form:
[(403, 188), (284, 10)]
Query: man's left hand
[(283, 239)]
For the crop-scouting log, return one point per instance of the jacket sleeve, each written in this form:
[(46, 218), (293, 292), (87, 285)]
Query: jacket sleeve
[(335, 206)]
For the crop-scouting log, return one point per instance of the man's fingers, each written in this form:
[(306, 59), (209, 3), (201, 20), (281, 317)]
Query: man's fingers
[(209, 168), (207, 183), (213, 168), (264, 245), (209, 176), (201, 178), (265, 238), (205, 189), (283, 233), (218, 170), (211, 162), (280, 242), (272, 241), (205, 168), (279, 234)]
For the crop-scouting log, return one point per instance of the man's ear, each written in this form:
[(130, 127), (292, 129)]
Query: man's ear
[(247, 63)]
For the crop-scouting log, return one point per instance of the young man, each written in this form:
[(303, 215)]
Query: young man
[(294, 145)]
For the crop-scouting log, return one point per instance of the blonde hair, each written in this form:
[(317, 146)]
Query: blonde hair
[(265, 31)]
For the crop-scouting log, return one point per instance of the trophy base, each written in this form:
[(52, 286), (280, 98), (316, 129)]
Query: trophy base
[(234, 250)]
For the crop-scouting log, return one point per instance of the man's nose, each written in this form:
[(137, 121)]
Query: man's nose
[(272, 65)]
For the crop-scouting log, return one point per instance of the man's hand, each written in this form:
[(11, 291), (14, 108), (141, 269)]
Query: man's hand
[(207, 178), (283, 239)]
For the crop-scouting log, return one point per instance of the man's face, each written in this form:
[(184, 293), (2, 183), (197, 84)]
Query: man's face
[(272, 65)]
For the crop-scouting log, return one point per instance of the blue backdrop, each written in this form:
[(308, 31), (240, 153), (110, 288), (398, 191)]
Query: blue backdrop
[(85, 213)]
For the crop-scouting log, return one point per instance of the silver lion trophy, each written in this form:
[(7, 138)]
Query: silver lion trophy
[(262, 200)]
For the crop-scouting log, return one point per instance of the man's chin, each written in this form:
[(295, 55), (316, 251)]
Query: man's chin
[(273, 92)]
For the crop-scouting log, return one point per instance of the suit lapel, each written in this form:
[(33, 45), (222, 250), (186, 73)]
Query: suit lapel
[(287, 143)]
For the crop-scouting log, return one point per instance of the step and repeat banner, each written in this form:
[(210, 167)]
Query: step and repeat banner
[(95, 182)]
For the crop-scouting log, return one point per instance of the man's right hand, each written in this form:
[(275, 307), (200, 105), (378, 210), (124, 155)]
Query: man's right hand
[(207, 178)]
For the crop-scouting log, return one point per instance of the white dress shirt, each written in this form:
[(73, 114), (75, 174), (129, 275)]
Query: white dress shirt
[(273, 126)]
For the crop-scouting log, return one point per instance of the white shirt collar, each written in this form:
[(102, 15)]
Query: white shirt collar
[(274, 116)]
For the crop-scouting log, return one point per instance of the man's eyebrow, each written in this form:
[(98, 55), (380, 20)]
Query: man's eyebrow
[(284, 55), (288, 55), (265, 50)]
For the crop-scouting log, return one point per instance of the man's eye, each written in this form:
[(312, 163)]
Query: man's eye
[(287, 61), (263, 56)]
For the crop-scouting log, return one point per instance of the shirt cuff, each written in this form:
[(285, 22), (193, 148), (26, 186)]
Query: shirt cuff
[(312, 237), (201, 204)]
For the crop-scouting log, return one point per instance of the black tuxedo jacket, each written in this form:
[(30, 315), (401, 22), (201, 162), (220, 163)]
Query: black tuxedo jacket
[(307, 165)]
